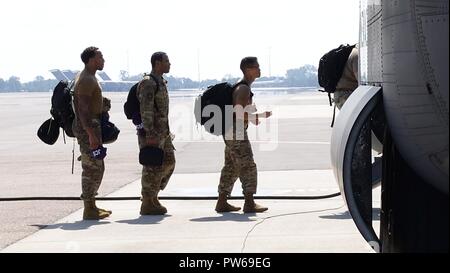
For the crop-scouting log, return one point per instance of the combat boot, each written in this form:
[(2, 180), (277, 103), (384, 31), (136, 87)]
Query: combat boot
[(149, 207), (223, 206), (156, 201), (91, 212), (251, 207), (104, 210)]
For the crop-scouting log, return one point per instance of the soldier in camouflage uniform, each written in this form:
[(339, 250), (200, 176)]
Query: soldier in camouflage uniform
[(349, 80), (154, 108), (239, 162), (89, 105)]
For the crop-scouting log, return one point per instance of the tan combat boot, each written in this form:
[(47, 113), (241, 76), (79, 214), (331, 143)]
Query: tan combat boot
[(223, 206), (149, 207), (156, 201), (91, 212), (251, 207), (104, 210)]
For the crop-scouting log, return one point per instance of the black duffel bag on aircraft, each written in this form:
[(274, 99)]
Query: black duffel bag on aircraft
[(331, 67)]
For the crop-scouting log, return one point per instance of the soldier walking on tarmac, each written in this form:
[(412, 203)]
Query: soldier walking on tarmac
[(239, 162), (154, 109)]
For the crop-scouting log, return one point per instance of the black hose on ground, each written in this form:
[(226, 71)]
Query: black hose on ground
[(177, 198)]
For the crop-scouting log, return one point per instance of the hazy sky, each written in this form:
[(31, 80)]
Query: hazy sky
[(41, 35)]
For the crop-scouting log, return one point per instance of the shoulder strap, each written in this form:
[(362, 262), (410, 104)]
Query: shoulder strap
[(157, 87), (334, 116), (156, 81), (245, 83), (72, 96), (239, 83)]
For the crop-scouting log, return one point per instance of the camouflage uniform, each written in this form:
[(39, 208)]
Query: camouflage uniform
[(239, 161), (155, 118), (93, 169), (340, 97)]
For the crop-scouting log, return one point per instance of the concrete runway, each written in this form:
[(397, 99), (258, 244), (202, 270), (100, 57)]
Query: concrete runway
[(297, 140), (289, 226)]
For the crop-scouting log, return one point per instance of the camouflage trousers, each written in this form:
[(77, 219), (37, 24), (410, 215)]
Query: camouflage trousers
[(93, 169), (239, 163), (340, 97), (155, 179)]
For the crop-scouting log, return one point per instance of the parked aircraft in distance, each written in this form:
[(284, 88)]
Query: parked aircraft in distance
[(107, 84)]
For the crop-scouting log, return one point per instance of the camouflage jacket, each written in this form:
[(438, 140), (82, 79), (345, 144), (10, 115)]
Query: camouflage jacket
[(154, 107)]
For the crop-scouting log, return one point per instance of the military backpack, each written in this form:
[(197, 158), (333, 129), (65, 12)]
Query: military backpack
[(132, 106), (217, 98), (62, 110), (331, 68)]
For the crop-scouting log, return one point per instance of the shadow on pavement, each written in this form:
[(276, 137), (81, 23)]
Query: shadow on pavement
[(224, 217), (145, 220), (78, 225)]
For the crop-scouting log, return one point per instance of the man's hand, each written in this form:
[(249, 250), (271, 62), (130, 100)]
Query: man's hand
[(94, 142), (267, 114), (152, 141)]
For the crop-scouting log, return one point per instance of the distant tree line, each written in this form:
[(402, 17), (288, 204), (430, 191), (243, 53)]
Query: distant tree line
[(39, 84), (305, 76)]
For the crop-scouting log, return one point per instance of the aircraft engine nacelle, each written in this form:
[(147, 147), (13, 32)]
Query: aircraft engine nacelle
[(415, 84), (403, 74)]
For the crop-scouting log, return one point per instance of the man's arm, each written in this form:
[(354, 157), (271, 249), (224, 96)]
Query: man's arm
[(244, 109), (106, 104), (84, 113), (146, 96)]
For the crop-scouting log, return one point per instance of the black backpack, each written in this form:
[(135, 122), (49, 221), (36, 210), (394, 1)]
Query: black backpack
[(131, 107), (62, 111), (220, 95), (331, 67)]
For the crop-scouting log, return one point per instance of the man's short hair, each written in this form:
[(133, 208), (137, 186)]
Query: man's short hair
[(88, 53), (157, 56), (248, 62)]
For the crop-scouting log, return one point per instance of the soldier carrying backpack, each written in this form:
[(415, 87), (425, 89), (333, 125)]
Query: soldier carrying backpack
[(63, 116), (88, 108), (150, 112), (338, 74), (239, 161), (132, 106)]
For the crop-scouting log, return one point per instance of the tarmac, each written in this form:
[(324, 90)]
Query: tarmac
[(296, 163), (289, 226)]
